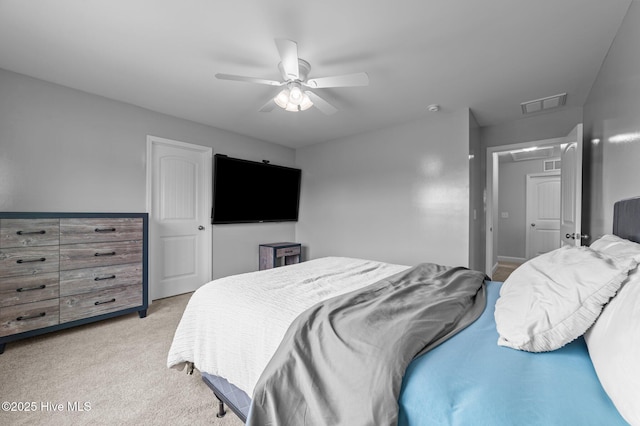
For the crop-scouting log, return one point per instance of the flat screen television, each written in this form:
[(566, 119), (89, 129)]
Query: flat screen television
[(249, 191)]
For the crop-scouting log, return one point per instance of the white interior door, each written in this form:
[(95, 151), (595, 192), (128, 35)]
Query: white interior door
[(542, 213), (571, 189), (179, 203)]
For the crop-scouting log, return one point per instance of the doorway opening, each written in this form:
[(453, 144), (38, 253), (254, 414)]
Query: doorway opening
[(506, 226)]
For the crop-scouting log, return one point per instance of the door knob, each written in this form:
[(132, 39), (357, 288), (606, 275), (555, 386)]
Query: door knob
[(572, 236), (533, 224), (201, 228)]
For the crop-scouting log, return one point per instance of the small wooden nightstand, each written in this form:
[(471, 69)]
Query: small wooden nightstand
[(278, 254)]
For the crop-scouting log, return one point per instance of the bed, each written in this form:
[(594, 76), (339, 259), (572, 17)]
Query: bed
[(488, 371)]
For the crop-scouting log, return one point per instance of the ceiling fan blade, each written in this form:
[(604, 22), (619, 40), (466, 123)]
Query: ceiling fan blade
[(321, 104), (248, 79), (289, 56), (268, 107), (346, 80)]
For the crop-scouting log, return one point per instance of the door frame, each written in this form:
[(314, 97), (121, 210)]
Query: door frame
[(527, 225), (206, 193), (492, 191)]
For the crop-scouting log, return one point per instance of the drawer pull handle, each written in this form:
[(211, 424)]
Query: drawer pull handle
[(40, 315), (111, 253), (105, 229), (40, 287), (31, 232), (110, 277), (107, 301), (42, 259)]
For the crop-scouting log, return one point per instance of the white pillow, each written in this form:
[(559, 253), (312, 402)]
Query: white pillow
[(554, 298), (614, 340), (613, 245)]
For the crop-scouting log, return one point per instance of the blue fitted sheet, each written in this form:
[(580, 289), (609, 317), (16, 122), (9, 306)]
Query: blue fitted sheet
[(470, 380)]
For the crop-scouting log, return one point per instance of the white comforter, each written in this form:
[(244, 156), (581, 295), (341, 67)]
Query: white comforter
[(232, 326)]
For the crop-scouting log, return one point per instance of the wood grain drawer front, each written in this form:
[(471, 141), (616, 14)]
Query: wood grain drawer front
[(99, 302), (29, 261), (85, 280), (288, 251), (29, 232), (28, 316), (26, 289), (85, 230), (78, 256)]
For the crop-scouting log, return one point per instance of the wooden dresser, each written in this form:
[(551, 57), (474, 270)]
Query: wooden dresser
[(59, 270)]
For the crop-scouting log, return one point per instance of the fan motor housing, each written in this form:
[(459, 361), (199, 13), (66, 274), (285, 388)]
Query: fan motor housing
[(303, 70)]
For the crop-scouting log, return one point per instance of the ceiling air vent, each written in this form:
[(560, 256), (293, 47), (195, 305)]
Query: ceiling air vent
[(544, 103)]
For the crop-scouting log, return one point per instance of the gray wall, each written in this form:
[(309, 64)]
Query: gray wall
[(613, 108), (66, 150), (398, 195)]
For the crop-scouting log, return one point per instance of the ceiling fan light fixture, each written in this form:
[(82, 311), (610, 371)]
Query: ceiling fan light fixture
[(282, 99), (293, 99), (306, 103), (292, 108), (295, 94)]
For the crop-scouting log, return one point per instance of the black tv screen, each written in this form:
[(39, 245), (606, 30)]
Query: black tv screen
[(248, 191)]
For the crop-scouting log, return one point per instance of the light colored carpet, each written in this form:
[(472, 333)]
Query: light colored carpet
[(117, 367)]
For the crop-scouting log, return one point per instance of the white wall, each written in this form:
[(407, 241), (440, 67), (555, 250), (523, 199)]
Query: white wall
[(398, 195), (65, 150), (613, 108)]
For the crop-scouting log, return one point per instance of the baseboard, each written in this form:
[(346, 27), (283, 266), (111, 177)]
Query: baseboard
[(509, 259)]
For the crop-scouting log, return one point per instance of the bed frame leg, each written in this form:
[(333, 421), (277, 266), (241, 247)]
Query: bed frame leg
[(190, 367), (221, 411)]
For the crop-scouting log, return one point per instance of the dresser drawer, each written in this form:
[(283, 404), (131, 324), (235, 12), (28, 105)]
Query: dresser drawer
[(28, 316), (28, 261), (26, 289), (78, 256), (85, 280), (99, 302), (287, 251), (29, 232), (85, 230)]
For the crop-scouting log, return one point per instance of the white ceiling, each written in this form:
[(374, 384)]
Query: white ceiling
[(487, 55)]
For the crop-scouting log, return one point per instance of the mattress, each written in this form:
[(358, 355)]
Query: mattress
[(468, 379), (471, 380)]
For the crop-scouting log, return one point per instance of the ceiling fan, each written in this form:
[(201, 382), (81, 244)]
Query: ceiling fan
[(295, 72)]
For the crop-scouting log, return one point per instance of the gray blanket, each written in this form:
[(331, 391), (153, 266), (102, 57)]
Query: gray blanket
[(342, 361)]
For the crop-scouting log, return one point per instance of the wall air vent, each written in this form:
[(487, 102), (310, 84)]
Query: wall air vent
[(542, 104), (551, 165)]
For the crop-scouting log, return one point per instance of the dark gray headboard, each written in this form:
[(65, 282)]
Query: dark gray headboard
[(626, 219)]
